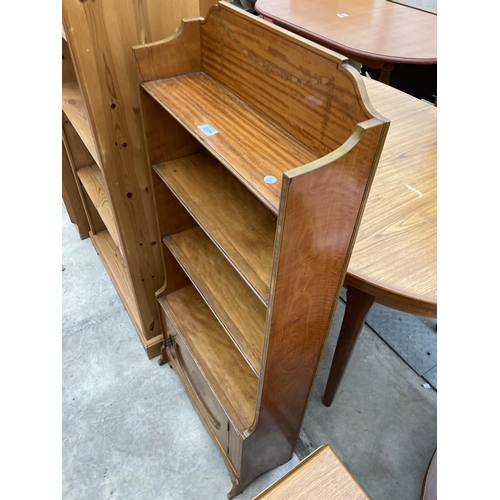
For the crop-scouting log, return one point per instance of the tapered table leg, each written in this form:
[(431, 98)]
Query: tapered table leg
[(357, 307)]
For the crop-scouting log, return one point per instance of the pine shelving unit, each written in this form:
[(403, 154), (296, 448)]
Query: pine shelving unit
[(106, 179)]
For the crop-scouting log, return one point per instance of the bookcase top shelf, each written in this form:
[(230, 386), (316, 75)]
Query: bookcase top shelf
[(252, 146)]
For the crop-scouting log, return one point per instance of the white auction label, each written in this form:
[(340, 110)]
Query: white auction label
[(207, 129)]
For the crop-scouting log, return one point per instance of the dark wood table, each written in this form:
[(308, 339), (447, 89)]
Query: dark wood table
[(376, 33)]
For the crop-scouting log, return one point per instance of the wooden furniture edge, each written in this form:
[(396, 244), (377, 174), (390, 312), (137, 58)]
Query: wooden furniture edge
[(326, 448), (338, 47), (119, 164), (188, 34), (411, 304), (77, 211), (305, 461), (276, 427), (342, 150), (429, 484), (87, 139), (153, 59), (374, 130), (92, 179)]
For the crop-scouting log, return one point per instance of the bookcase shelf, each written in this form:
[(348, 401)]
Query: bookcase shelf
[(73, 107), (238, 309), (240, 226), (106, 177), (113, 262), (233, 382), (93, 182), (262, 148)]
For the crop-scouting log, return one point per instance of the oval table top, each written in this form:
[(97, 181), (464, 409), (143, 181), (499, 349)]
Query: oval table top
[(378, 30), (395, 254)]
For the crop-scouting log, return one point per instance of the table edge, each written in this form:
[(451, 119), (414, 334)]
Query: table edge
[(395, 299), (338, 47)]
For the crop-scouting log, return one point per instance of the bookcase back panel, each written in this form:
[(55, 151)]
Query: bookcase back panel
[(68, 70), (309, 94)]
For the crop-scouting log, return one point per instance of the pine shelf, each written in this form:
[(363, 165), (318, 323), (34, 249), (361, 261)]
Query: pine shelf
[(106, 176), (93, 182), (113, 261), (73, 107)]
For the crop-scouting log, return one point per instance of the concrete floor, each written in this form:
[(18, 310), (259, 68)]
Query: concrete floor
[(129, 430)]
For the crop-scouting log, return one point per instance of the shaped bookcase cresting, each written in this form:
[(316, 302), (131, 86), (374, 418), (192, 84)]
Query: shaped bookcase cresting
[(263, 147)]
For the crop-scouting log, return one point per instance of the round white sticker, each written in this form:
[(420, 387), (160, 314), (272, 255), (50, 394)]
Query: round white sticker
[(270, 179)]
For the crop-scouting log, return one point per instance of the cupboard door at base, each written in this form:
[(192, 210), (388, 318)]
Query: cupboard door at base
[(202, 393)]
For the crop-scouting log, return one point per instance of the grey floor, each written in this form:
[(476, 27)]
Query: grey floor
[(129, 430)]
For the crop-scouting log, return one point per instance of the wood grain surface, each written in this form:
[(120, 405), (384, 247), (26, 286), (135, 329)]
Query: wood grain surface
[(395, 255), (166, 138), (117, 270), (281, 106), (316, 234), (93, 182), (101, 36), (241, 227), (221, 364), (233, 302), (71, 197), (199, 388), (176, 55), (197, 99), (78, 156), (68, 70), (374, 29), (320, 476), (309, 94), (73, 107)]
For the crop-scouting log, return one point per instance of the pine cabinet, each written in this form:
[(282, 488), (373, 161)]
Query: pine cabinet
[(106, 179)]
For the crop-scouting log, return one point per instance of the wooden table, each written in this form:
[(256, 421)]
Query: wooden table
[(429, 485), (376, 33), (320, 476), (394, 258)]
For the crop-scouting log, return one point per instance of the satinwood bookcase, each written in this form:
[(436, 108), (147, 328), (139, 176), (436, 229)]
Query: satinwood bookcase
[(263, 147)]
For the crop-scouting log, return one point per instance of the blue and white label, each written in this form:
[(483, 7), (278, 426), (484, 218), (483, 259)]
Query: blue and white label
[(270, 179), (207, 129)]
